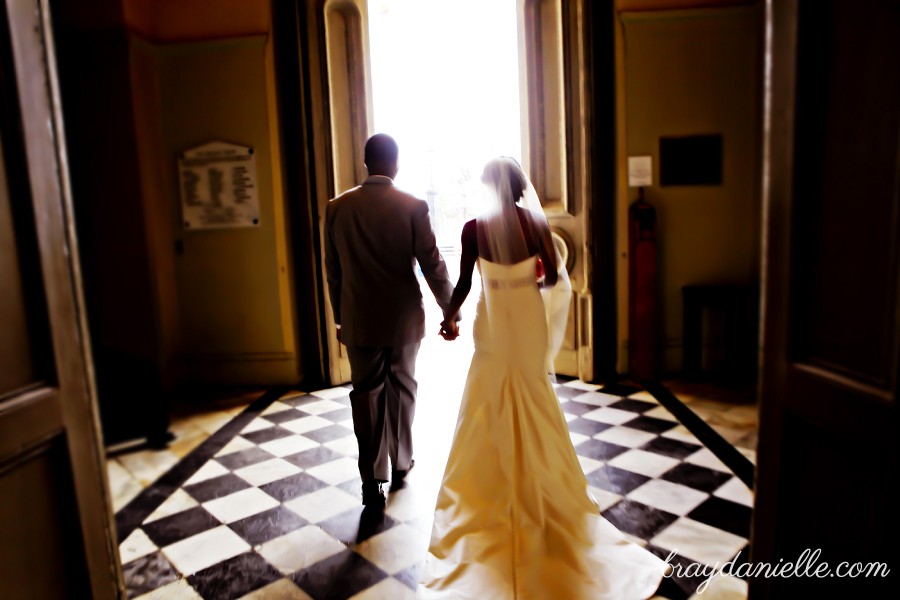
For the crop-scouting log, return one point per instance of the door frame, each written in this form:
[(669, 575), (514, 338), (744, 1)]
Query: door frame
[(65, 404), (305, 110)]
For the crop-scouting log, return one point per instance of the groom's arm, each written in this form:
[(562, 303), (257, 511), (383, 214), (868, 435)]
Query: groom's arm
[(430, 260)]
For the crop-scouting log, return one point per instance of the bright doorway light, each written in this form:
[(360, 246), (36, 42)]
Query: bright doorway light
[(445, 85)]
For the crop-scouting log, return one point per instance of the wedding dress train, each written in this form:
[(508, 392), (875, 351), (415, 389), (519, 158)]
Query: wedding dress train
[(514, 518)]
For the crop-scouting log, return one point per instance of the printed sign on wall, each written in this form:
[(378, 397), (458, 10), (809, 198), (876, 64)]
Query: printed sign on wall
[(218, 186)]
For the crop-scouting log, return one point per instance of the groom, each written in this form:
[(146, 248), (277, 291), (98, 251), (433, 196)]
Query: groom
[(374, 234)]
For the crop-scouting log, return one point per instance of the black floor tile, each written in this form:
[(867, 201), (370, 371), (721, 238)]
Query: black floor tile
[(267, 525), (357, 525), (326, 434), (293, 486), (573, 407), (148, 573), (697, 477), (217, 487), (338, 577), (410, 576), (299, 400), (651, 424), (283, 416), (234, 577), (267, 435), (338, 416), (684, 586), (618, 481), (568, 392), (587, 426), (638, 519), (620, 389), (636, 406), (313, 457), (599, 450), (669, 447), (169, 530), (724, 514), (353, 487), (244, 458)]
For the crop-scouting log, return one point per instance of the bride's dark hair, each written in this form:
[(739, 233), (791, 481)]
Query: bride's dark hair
[(517, 182)]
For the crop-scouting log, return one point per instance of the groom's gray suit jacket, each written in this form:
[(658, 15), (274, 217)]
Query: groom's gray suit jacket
[(374, 233)]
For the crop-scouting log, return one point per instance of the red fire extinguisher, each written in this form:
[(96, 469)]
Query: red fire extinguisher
[(642, 296)]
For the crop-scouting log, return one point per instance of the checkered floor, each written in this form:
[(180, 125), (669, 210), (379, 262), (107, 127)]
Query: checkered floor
[(269, 506)]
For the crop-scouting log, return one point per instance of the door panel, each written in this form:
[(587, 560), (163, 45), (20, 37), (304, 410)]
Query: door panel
[(340, 86), (828, 409), (55, 513)]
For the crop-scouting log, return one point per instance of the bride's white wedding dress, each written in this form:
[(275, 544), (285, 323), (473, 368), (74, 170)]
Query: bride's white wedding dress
[(514, 518)]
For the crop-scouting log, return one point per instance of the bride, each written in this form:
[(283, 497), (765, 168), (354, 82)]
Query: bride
[(514, 517)]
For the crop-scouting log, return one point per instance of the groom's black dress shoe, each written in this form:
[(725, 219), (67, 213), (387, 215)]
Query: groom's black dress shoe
[(398, 477), (372, 494)]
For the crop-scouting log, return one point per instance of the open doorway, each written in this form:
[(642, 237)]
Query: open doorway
[(451, 106)]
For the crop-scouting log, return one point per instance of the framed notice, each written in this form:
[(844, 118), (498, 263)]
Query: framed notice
[(218, 186)]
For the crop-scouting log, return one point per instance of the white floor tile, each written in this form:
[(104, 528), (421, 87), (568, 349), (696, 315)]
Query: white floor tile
[(135, 546), (346, 445), (644, 397), (577, 438), (320, 407), (276, 407), (337, 392), (723, 587), (605, 499), (179, 501), (286, 446), (700, 542), (670, 497), (283, 589), (589, 464), (386, 589), (208, 471), (625, 436), (596, 398), (660, 412), (705, 458), (304, 424), (612, 416), (179, 589), (267, 471), (205, 549), (336, 471), (643, 462), (735, 490), (235, 445), (148, 466), (580, 385), (299, 549), (397, 548), (682, 434), (257, 424), (240, 505), (322, 504)]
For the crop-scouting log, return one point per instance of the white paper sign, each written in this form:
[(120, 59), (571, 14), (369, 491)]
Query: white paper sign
[(218, 186), (640, 171)]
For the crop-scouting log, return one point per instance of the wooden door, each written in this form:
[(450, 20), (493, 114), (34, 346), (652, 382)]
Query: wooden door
[(56, 525), (828, 429)]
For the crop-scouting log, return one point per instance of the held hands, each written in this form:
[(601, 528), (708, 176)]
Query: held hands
[(449, 330)]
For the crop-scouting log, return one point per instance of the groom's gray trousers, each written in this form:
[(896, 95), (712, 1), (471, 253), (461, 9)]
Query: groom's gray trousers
[(384, 403)]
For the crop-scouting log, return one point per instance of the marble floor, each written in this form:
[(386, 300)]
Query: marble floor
[(258, 496)]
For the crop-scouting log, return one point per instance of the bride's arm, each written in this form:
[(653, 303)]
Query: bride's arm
[(547, 252), (466, 267)]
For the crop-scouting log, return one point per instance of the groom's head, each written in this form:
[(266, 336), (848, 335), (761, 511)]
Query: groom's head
[(382, 155)]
